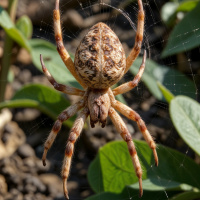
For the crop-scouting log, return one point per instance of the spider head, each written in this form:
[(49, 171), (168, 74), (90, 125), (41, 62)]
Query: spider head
[(98, 104)]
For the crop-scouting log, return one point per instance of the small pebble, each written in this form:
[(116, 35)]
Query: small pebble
[(53, 184), (25, 151), (3, 185)]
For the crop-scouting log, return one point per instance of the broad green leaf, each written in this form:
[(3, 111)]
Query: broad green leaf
[(116, 170), (185, 114), (43, 98), (187, 196), (24, 24), (185, 34), (52, 61), (95, 175), (173, 80), (160, 184), (11, 30), (166, 93)]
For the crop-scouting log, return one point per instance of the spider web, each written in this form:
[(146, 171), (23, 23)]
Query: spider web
[(123, 20)]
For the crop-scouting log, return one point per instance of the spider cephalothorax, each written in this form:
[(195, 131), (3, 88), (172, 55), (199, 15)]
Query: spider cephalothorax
[(99, 63), (98, 104)]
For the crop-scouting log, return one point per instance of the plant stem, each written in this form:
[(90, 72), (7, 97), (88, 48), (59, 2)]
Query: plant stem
[(12, 8), (7, 55), (6, 62)]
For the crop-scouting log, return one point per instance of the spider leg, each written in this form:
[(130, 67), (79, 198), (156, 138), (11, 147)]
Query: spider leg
[(138, 39), (60, 46), (131, 114), (122, 129), (73, 136), (66, 114), (132, 84), (60, 87)]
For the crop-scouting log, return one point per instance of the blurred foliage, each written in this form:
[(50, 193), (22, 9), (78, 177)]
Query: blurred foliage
[(24, 25), (52, 60), (172, 79), (184, 35), (36, 96), (13, 31), (171, 10), (185, 115), (41, 97), (166, 93)]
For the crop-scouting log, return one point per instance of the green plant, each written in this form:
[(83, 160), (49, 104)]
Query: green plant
[(185, 115), (184, 35), (111, 174), (40, 97), (33, 95), (172, 79)]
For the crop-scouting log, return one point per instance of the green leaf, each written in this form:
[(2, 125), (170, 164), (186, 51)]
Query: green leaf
[(185, 115), (170, 10), (187, 196), (187, 5), (129, 193), (184, 36), (52, 61), (116, 168), (24, 25), (11, 30), (166, 93), (43, 98), (95, 175), (160, 184), (106, 196), (173, 80)]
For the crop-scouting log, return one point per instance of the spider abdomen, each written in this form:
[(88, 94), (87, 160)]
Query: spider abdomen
[(100, 59)]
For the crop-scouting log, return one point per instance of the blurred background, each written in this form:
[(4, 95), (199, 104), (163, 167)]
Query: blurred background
[(29, 104)]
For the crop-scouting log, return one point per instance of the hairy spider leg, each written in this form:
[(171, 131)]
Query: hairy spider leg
[(66, 114), (60, 87), (73, 136), (60, 46), (131, 114), (138, 39), (131, 84), (122, 129)]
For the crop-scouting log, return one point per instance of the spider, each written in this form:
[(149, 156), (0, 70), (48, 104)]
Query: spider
[(99, 63)]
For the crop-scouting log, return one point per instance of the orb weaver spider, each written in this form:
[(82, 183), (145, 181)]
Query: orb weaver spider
[(99, 63)]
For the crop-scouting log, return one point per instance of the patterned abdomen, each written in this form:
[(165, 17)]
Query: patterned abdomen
[(100, 59)]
